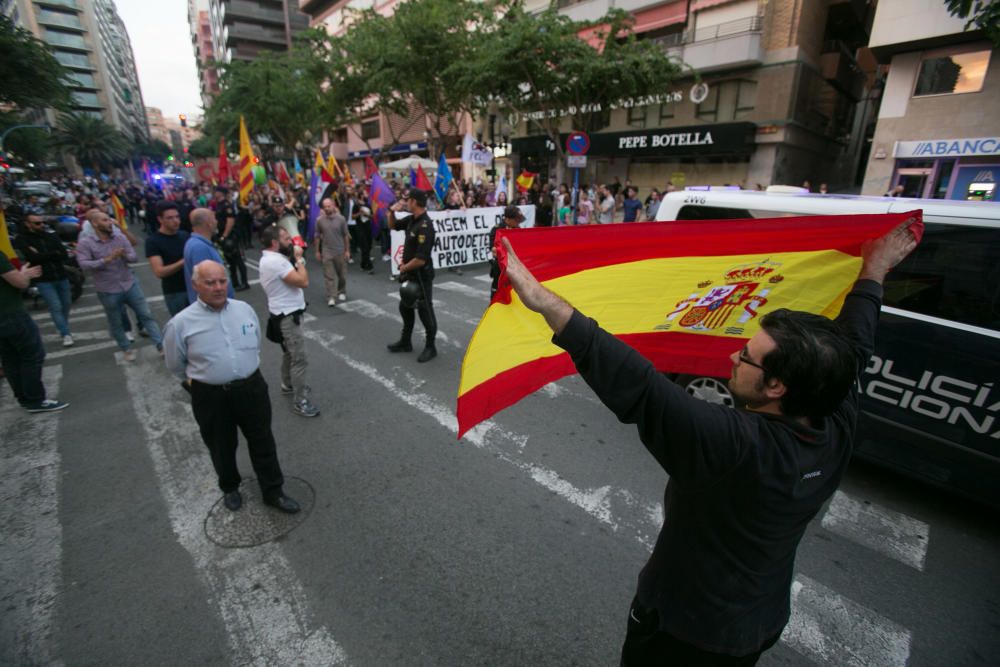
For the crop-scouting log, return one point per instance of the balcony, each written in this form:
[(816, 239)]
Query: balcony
[(59, 20), (255, 33), (722, 46), (840, 68), (251, 11), (66, 40), (68, 4)]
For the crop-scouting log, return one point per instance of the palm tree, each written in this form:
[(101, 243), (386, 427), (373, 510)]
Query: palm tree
[(90, 140)]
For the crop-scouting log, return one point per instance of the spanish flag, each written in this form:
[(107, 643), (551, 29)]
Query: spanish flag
[(246, 164), (322, 168), (119, 209), (686, 295), (525, 180)]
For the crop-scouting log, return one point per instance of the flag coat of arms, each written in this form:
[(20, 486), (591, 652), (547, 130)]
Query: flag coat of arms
[(475, 152), (685, 295)]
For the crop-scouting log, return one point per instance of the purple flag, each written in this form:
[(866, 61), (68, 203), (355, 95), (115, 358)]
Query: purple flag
[(314, 192), (381, 198)]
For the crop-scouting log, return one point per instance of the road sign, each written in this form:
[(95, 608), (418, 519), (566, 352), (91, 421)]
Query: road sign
[(576, 161), (577, 143)]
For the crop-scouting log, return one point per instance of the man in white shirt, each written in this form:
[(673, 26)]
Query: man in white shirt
[(284, 277)]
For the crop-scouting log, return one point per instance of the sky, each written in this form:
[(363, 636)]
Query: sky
[(164, 56)]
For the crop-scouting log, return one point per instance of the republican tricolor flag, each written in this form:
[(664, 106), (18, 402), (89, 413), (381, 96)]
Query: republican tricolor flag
[(686, 295)]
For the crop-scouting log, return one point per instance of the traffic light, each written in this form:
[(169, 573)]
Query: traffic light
[(184, 119)]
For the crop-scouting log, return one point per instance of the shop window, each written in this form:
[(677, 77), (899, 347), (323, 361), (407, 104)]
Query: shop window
[(637, 116), (666, 111), (370, 130), (952, 274), (709, 109), (952, 74)]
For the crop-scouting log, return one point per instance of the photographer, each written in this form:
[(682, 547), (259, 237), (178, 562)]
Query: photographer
[(416, 273)]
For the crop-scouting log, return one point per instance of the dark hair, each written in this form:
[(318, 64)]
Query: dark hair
[(418, 196), (164, 206), (814, 359), (269, 235)]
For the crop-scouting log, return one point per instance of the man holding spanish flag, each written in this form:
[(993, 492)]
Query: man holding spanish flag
[(744, 483)]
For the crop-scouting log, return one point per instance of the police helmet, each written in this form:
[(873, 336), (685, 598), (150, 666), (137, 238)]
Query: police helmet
[(409, 292)]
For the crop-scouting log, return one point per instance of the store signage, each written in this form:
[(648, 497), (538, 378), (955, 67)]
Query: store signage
[(716, 139), (673, 96), (948, 147)]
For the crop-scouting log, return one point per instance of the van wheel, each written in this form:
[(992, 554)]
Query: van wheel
[(711, 390)]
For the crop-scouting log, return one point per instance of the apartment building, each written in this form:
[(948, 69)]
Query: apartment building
[(89, 38), (938, 130), (242, 29), (782, 96), (204, 50)]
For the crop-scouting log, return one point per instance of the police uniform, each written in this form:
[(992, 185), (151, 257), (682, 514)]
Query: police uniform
[(416, 292)]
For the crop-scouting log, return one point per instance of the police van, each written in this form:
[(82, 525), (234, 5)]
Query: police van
[(931, 391)]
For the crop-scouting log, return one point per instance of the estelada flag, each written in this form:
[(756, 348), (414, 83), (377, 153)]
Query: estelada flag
[(525, 181), (119, 209), (685, 295), (246, 164)]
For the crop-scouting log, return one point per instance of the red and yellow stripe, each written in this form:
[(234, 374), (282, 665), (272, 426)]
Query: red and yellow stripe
[(648, 284), (246, 164), (119, 209)]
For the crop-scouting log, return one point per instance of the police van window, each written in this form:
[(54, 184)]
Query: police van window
[(712, 213), (953, 274)]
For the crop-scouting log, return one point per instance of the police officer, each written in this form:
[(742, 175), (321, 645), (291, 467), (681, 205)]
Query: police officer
[(512, 219), (416, 273)]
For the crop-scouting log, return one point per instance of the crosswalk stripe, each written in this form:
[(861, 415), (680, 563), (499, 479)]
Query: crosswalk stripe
[(263, 626), (462, 288), (888, 532), (483, 279), (77, 336), (29, 521), (439, 307), (833, 630), (80, 349)]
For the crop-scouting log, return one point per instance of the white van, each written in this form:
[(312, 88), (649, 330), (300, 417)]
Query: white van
[(931, 406)]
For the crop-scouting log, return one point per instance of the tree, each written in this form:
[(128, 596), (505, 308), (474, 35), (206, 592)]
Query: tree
[(30, 75), (24, 144), (153, 150), (91, 141), (983, 14), (204, 146), (539, 64)]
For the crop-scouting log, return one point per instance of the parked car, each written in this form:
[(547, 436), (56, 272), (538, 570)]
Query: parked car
[(931, 391)]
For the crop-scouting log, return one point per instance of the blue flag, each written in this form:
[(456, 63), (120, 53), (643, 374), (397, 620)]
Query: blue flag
[(314, 193), (413, 178), (443, 179)]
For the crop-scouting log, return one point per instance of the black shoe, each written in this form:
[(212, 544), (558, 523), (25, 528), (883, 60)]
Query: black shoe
[(233, 501), (400, 346), (284, 503), (429, 353)]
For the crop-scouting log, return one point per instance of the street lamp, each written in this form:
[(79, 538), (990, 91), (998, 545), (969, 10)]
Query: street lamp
[(10, 129)]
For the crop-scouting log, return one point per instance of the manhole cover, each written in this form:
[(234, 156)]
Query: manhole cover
[(256, 523)]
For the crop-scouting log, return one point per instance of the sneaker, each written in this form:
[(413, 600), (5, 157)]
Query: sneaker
[(350, 261), (286, 390), (304, 408), (47, 405), (385, 258), (331, 302), (129, 336), (68, 341), (143, 333), (341, 297), (129, 355)]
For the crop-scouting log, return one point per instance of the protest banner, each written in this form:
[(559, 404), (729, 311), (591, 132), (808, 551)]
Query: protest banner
[(460, 237)]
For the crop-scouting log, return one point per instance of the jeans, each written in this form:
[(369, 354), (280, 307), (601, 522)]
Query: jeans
[(22, 355), (176, 302), (57, 297), (134, 299)]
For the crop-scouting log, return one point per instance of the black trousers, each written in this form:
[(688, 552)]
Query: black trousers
[(219, 411), (237, 270), (424, 307), (22, 355), (648, 646), (363, 230)]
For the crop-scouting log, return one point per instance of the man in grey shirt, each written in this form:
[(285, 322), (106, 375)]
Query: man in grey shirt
[(333, 249), (215, 343)]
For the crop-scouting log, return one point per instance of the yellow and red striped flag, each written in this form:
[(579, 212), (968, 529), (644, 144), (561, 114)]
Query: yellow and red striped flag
[(246, 164), (119, 209), (686, 295)]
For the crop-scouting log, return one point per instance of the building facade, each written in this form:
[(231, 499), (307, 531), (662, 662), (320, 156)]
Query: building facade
[(938, 131), (782, 96), (89, 38), (242, 29), (204, 51)]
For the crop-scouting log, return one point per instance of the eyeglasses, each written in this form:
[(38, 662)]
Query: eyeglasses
[(744, 358)]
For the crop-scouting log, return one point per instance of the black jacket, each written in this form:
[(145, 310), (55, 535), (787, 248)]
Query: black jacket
[(743, 486), (46, 250)]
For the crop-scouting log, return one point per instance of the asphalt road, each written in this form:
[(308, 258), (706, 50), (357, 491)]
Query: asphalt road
[(518, 545)]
